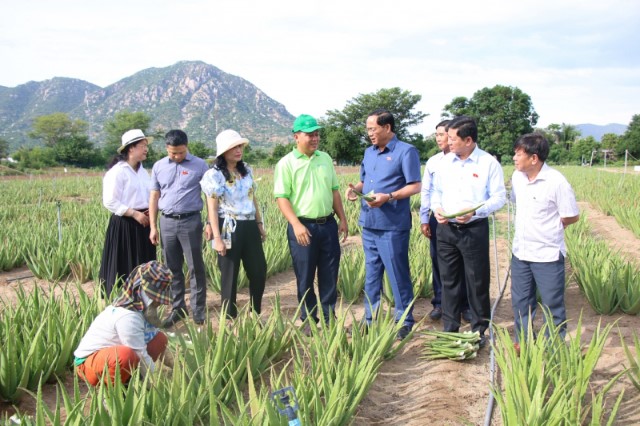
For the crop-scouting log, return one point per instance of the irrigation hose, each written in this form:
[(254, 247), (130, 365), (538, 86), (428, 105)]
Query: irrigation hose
[(492, 357)]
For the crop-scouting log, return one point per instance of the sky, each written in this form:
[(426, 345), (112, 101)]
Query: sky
[(579, 61)]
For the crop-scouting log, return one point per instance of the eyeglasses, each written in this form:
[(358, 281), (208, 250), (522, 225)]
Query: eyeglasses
[(372, 129)]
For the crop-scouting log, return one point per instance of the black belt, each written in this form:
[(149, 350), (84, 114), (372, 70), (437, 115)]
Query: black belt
[(179, 216), (468, 224), (317, 220)]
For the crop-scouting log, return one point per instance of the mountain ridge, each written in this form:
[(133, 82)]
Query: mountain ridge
[(194, 96), (597, 131)]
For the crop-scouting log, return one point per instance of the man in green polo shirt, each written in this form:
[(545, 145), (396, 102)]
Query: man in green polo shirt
[(307, 192)]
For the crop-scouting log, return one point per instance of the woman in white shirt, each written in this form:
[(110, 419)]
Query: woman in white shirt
[(125, 193)]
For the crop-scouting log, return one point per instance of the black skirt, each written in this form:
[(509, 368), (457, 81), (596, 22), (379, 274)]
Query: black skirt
[(126, 246)]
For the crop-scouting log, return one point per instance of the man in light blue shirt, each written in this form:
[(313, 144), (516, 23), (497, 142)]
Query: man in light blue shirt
[(175, 191), (469, 185)]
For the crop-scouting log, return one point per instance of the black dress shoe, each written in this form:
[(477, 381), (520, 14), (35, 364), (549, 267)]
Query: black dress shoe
[(436, 313), (483, 341), (403, 332), (175, 317), (466, 316)]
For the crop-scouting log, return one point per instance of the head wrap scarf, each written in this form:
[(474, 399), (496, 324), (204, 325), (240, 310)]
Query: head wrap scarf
[(153, 278)]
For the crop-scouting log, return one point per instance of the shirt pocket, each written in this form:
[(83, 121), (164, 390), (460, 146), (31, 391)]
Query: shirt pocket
[(188, 179), (540, 208)]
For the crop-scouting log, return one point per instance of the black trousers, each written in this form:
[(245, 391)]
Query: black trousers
[(463, 255), (246, 247)]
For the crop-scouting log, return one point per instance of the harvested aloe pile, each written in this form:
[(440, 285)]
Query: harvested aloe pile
[(450, 345)]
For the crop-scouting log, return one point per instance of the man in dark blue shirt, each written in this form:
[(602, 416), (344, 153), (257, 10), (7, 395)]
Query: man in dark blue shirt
[(391, 171)]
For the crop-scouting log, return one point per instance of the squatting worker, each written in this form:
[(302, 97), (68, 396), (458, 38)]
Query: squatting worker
[(125, 335), (175, 192), (467, 178), (429, 224), (306, 190), (238, 231), (545, 205), (125, 193), (391, 170)]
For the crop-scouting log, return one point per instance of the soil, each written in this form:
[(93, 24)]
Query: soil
[(412, 391)]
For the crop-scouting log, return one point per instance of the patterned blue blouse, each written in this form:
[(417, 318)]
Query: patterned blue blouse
[(235, 198)]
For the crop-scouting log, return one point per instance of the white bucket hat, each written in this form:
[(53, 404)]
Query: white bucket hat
[(229, 139), (132, 136)]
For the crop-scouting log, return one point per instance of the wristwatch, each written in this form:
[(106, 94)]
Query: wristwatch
[(390, 196)]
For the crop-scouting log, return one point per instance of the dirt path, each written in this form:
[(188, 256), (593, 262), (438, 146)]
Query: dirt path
[(411, 391)]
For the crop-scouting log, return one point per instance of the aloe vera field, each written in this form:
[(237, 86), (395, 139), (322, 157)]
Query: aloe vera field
[(52, 231)]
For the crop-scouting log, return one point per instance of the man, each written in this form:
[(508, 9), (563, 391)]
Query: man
[(391, 169), (545, 205), (468, 179), (306, 191), (429, 224), (124, 336), (175, 191)]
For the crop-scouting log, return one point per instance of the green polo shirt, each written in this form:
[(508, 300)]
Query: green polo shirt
[(307, 182)]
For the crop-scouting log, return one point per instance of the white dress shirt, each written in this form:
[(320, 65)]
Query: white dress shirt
[(462, 184), (540, 205), (430, 169), (124, 188)]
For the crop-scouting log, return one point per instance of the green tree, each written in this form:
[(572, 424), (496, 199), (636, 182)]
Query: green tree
[(349, 123), (4, 148), (56, 127), (76, 151), (340, 144), (610, 141), (199, 149), (630, 140), (563, 134), (258, 157), (582, 149), (503, 114), (279, 151), (35, 158), (121, 122)]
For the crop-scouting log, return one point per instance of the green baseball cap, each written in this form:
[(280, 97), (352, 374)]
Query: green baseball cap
[(305, 123)]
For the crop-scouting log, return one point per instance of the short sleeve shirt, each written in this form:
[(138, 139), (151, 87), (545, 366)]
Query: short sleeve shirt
[(540, 205), (235, 197), (307, 182), (391, 169), (179, 184)]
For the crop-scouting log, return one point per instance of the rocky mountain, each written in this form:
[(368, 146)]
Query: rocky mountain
[(194, 96), (598, 131)]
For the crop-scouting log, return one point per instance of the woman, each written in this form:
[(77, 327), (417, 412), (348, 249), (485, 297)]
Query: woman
[(235, 220), (125, 335), (125, 193)]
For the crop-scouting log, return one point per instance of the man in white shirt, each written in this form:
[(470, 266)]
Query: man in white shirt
[(470, 185), (545, 205), (430, 225)]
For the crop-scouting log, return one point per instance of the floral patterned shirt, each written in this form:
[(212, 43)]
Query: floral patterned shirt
[(235, 198)]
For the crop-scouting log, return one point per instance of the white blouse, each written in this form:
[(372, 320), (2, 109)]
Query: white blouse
[(124, 188)]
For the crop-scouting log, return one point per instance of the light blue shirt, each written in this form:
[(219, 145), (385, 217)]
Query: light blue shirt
[(178, 184), (461, 184), (430, 170)]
